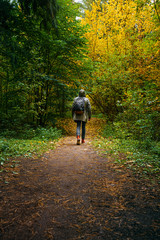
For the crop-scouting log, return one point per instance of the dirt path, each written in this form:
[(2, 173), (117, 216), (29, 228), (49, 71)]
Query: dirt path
[(73, 193)]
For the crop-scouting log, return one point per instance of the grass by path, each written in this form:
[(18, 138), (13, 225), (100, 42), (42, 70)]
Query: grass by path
[(27, 143)]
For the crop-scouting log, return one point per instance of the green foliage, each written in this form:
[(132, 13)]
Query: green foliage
[(117, 130), (141, 156), (37, 8), (47, 134), (108, 88), (26, 132), (41, 65), (30, 142), (141, 115)]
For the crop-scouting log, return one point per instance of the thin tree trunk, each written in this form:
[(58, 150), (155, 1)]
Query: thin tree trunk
[(6, 95)]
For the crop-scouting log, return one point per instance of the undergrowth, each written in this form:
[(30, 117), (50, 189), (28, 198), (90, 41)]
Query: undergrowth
[(26, 143), (142, 156)]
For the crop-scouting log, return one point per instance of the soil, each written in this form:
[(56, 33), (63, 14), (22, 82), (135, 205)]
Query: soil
[(73, 193)]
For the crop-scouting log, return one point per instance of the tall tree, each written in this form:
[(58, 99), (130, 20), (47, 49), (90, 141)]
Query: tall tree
[(46, 10)]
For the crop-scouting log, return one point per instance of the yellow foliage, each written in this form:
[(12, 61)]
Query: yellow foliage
[(117, 26)]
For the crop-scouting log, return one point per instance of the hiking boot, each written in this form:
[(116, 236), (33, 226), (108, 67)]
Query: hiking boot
[(83, 141), (78, 140)]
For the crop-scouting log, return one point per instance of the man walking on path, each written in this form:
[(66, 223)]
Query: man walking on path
[(81, 113)]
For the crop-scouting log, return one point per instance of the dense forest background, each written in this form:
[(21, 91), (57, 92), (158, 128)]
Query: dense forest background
[(51, 49), (42, 61)]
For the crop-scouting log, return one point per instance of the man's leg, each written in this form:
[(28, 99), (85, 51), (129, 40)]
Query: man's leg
[(78, 132), (83, 131)]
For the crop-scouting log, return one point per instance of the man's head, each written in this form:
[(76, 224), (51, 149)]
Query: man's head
[(82, 93)]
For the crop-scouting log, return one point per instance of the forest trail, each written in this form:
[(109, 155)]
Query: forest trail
[(73, 193)]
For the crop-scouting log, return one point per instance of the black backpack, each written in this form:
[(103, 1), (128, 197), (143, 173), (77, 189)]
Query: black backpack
[(78, 106)]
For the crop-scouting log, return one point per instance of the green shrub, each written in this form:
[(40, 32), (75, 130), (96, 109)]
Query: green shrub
[(116, 129), (47, 133)]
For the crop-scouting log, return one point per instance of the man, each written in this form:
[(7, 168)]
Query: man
[(81, 117)]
